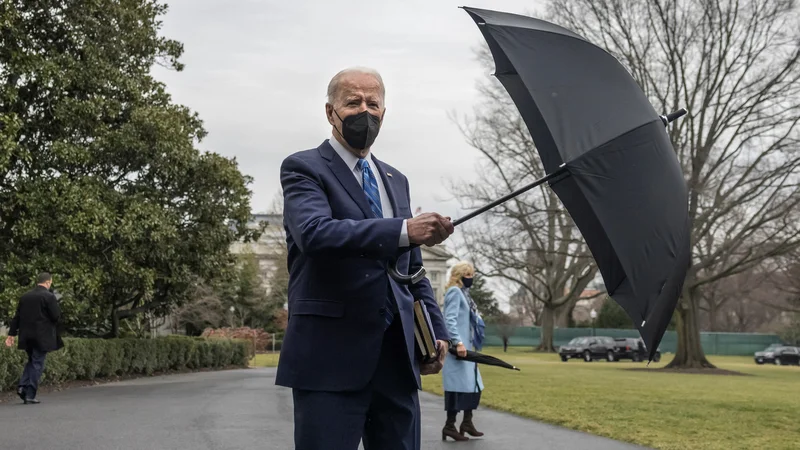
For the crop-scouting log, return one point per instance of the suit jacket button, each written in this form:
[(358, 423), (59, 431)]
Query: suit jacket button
[(382, 311)]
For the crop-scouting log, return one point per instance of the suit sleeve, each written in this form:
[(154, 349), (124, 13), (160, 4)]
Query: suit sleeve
[(52, 309), (308, 217), (13, 327), (423, 291)]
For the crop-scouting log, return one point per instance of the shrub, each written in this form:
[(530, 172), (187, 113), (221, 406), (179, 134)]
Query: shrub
[(260, 338), (87, 359)]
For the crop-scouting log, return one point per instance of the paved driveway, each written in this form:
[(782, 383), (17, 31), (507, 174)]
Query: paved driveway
[(238, 409)]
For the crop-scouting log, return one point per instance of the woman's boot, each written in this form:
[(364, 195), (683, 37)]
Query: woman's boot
[(450, 430), (467, 426)]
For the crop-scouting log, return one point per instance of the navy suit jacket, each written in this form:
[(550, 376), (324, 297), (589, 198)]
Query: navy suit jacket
[(338, 284)]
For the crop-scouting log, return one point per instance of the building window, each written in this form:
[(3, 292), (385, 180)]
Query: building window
[(435, 277)]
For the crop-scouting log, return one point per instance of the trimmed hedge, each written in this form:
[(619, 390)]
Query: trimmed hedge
[(87, 359)]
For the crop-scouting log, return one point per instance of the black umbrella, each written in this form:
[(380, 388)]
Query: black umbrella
[(481, 358), (607, 156)]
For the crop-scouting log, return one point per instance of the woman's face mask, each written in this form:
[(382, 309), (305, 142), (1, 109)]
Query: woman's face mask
[(467, 282)]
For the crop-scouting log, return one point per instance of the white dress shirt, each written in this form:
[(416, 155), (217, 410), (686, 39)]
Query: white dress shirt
[(352, 162)]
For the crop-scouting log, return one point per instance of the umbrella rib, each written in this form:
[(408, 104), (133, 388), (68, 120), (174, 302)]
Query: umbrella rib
[(484, 23), (611, 140), (576, 37)]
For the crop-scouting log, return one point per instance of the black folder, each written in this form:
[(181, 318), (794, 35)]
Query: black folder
[(424, 334)]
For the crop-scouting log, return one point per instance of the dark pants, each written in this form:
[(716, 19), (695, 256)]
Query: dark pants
[(385, 414), (32, 373)]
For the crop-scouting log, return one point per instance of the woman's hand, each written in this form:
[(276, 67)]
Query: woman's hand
[(461, 349)]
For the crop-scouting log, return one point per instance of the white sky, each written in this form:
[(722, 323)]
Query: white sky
[(257, 71)]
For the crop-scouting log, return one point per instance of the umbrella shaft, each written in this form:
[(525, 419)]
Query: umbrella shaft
[(508, 197)]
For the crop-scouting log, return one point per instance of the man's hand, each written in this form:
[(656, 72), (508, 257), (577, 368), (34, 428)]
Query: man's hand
[(436, 366), (10, 341), (429, 229)]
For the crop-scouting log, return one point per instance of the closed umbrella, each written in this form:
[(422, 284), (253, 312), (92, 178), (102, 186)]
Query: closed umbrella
[(482, 358)]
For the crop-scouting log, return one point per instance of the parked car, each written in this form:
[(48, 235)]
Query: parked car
[(633, 349), (589, 348), (787, 356), (767, 355)]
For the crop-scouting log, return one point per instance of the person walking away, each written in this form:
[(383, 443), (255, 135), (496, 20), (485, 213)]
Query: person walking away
[(36, 323), (461, 379)]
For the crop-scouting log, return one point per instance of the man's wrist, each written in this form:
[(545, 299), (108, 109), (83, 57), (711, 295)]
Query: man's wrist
[(404, 242)]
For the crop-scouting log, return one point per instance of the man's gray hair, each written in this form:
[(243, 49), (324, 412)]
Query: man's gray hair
[(333, 86)]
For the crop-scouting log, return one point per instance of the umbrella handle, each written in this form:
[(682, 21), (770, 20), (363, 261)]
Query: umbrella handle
[(671, 117), (412, 278)]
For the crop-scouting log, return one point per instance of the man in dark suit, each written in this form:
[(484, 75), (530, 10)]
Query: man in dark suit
[(35, 321), (349, 349)]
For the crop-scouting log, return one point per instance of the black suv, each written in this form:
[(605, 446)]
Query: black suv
[(768, 354), (589, 348), (633, 349), (787, 356)]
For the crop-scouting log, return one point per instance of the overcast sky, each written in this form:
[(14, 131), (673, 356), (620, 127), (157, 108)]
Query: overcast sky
[(257, 72)]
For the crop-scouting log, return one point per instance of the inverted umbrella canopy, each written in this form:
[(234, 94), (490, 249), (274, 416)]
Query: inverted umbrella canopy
[(622, 182), (607, 156)]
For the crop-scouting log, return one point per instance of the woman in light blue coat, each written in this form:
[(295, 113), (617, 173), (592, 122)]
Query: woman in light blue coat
[(461, 379)]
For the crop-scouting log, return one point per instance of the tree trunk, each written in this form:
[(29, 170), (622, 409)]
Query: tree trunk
[(548, 319), (563, 314), (713, 310), (114, 324), (690, 353)]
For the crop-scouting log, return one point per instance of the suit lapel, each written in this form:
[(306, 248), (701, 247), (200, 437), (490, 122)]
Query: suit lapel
[(345, 176), (388, 183)]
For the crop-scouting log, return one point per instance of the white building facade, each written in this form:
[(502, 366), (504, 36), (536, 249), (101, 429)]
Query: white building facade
[(437, 260)]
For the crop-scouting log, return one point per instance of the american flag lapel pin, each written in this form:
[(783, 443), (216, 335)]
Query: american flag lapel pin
[(388, 174)]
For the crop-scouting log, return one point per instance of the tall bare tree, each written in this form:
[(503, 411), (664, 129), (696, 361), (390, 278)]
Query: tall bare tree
[(736, 303), (734, 64), (783, 275), (730, 295), (530, 241)]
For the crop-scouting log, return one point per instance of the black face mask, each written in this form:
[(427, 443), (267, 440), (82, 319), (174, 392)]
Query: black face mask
[(467, 282), (360, 130)]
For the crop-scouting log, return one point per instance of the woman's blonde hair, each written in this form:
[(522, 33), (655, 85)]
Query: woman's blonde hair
[(458, 271)]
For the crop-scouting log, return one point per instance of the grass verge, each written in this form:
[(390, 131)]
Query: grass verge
[(664, 410), (265, 360)]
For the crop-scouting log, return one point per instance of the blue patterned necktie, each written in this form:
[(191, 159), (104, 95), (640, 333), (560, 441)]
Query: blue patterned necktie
[(370, 186)]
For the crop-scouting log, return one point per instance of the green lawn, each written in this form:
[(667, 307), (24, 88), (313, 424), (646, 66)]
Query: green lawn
[(265, 360), (661, 410)]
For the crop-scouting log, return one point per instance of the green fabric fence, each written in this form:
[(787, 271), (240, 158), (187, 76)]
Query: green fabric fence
[(713, 343)]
